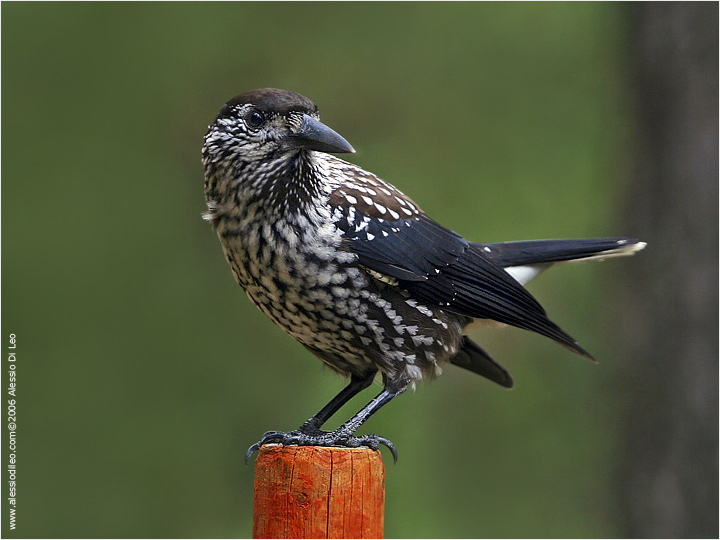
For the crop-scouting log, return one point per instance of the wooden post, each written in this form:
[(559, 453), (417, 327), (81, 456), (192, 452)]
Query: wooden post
[(318, 492)]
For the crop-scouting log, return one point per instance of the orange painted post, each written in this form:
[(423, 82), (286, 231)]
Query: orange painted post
[(318, 492)]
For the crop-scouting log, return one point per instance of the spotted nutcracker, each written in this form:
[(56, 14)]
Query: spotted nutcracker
[(353, 269)]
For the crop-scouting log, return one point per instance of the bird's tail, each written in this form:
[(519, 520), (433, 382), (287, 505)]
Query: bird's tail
[(525, 260), (554, 251), (473, 358)]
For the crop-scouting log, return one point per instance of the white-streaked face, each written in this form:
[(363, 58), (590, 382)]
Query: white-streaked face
[(250, 134)]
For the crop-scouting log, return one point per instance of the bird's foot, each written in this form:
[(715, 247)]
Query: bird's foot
[(309, 435)]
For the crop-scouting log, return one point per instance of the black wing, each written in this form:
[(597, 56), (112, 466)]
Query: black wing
[(435, 264)]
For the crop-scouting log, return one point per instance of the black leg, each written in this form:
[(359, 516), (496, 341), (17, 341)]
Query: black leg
[(309, 433), (357, 385), (352, 425)]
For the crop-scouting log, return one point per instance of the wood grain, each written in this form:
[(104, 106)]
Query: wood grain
[(319, 492)]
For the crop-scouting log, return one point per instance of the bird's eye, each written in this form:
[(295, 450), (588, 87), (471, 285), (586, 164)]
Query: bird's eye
[(255, 119)]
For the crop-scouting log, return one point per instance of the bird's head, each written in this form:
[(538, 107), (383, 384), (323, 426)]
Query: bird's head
[(268, 123)]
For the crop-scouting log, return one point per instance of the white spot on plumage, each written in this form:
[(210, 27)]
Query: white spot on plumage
[(324, 278), (413, 372), (363, 224), (338, 277), (424, 310), (340, 292), (523, 274)]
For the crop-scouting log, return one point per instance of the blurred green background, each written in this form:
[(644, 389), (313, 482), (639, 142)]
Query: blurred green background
[(144, 373)]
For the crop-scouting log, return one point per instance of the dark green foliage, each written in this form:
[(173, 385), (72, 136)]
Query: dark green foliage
[(145, 373)]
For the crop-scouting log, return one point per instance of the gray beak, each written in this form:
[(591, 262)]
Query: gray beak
[(314, 135)]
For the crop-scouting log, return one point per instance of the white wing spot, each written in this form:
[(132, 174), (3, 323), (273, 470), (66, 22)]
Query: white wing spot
[(422, 340)]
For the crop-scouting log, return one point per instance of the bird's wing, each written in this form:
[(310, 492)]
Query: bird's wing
[(392, 236)]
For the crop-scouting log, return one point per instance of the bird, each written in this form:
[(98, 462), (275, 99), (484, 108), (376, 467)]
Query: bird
[(354, 270)]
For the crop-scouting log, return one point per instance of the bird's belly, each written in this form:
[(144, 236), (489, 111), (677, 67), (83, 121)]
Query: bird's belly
[(307, 291), (331, 305)]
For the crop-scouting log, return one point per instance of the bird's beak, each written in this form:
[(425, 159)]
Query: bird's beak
[(314, 135)]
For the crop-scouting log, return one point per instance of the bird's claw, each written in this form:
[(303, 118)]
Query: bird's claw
[(373, 442), (321, 438), (268, 437)]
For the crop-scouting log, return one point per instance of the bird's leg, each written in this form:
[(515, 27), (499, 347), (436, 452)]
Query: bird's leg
[(343, 436), (357, 384), (310, 435), (311, 428)]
